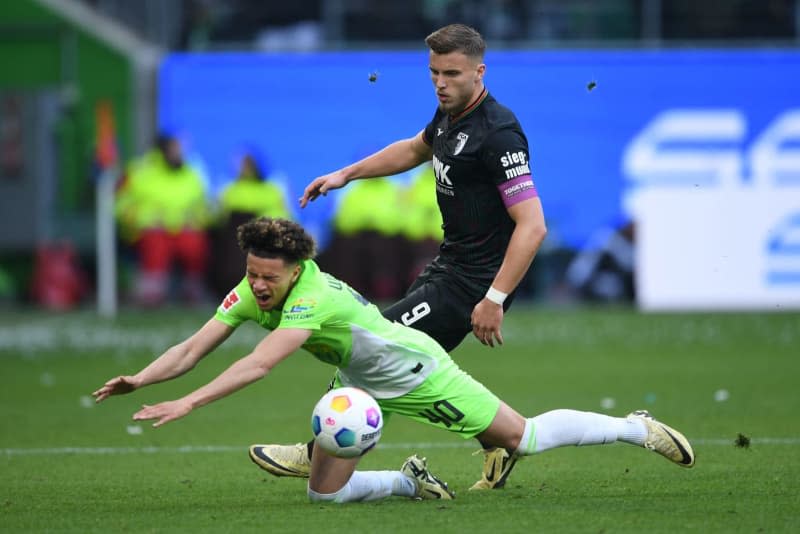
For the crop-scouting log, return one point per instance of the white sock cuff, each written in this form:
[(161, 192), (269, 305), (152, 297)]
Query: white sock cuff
[(527, 445), (338, 497), (633, 431)]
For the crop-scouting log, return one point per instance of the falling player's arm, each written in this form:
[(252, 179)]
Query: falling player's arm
[(395, 158), (174, 362), (274, 348)]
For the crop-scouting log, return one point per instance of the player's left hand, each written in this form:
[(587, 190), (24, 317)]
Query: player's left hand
[(163, 411), (487, 317)]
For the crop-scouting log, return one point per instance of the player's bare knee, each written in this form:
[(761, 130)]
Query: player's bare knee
[(506, 430), (512, 438)]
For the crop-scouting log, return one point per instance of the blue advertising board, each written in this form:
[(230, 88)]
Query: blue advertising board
[(309, 114)]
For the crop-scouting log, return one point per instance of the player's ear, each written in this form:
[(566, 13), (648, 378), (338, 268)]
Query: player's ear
[(481, 70), (296, 273)]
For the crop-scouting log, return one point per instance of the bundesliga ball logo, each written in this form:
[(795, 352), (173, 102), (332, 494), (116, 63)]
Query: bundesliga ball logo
[(347, 422)]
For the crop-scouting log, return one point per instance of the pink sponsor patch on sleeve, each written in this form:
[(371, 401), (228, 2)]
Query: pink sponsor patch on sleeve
[(516, 190)]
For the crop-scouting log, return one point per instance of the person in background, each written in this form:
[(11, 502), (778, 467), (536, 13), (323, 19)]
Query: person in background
[(604, 270), (163, 210), (251, 193), (367, 247), (422, 229)]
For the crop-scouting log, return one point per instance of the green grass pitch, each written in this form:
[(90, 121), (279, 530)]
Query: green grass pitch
[(67, 465)]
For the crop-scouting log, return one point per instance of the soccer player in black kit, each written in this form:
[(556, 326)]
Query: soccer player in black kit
[(492, 219)]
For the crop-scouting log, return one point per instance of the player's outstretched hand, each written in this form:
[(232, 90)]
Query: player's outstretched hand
[(116, 386), (487, 317), (163, 411), (321, 186)]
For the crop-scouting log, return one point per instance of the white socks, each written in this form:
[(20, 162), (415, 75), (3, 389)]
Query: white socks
[(369, 486), (549, 430), (559, 428)]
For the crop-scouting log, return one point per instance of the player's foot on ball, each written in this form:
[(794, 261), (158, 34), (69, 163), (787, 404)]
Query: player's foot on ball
[(497, 465), (282, 460), (428, 486), (665, 440)]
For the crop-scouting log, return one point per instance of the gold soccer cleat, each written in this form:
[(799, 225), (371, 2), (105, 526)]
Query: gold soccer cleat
[(497, 465), (282, 460), (428, 486), (665, 440)]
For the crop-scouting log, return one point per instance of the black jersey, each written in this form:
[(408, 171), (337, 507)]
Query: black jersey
[(480, 159)]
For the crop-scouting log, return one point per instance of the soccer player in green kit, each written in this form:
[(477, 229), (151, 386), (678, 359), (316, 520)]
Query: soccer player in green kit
[(404, 369)]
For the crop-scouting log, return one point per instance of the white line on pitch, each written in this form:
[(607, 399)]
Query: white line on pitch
[(184, 449)]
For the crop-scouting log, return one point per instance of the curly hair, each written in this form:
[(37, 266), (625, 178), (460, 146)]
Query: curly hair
[(457, 38), (275, 238)]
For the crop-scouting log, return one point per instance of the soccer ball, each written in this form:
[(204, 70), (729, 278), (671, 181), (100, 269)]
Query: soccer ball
[(347, 422)]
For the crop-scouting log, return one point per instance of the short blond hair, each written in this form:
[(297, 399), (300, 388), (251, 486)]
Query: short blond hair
[(457, 38)]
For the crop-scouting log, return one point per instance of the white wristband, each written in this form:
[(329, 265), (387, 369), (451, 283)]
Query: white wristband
[(498, 297)]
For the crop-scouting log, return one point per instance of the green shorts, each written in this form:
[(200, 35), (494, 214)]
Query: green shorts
[(450, 399)]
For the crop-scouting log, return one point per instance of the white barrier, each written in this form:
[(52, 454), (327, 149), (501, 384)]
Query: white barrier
[(717, 222), (718, 249)]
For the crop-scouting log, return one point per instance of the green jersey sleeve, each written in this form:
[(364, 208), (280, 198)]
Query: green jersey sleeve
[(238, 306)]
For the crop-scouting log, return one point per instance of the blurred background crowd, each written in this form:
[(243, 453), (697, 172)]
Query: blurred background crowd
[(315, 24), (83, 88)]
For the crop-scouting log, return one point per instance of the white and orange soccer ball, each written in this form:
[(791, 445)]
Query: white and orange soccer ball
[(347, 422)]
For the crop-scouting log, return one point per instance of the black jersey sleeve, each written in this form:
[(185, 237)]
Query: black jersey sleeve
[(427, 135), (430, 130), (505, 155)]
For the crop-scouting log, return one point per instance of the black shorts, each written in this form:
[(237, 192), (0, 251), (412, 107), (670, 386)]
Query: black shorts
[(440, 303)]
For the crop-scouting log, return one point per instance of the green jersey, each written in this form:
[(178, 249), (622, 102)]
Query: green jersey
[(384, 358)]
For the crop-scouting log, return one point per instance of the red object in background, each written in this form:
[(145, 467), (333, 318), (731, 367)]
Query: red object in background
[(159, 248), (58, 282), (106, 154)]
